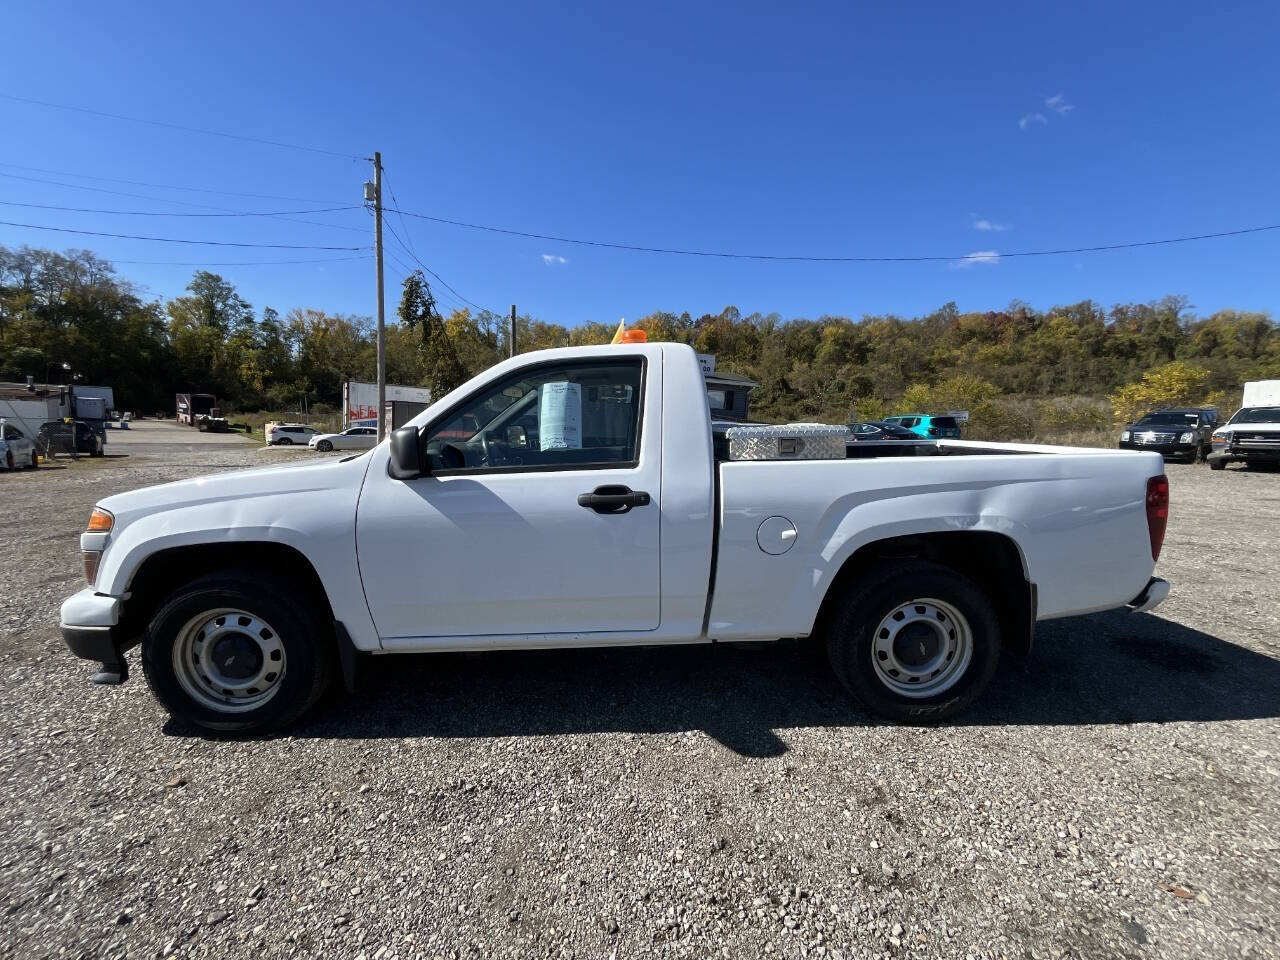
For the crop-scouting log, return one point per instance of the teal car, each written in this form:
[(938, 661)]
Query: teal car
[(927, 426)]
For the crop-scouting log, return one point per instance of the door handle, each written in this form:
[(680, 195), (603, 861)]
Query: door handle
[(613, 498)]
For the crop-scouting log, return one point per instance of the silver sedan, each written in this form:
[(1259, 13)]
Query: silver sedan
[(353, 438)]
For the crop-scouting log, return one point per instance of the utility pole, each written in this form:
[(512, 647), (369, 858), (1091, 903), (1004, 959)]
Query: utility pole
[(382, 319), (512, 341)]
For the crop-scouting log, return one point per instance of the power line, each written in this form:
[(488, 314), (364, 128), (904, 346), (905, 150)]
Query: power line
[(162, 186), (235, 263), (439, 278), (165, 213), (180, 203), (205, 243), (408, 269), (832, 259), (404, 226), (179, 126)]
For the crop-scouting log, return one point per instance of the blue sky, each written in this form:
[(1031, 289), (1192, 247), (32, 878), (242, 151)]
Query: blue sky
[(839, 129)]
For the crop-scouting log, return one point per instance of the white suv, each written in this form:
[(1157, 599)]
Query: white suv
[(16, 450), (286, 434)]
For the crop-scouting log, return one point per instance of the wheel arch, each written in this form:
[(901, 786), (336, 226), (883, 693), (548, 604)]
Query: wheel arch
[(993, 561), (164, 571)]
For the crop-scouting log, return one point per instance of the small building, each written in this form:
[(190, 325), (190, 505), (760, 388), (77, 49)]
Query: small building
[(728, 395), (360, 404)]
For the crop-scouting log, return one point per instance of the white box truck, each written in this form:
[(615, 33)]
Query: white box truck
[(1261, 393)]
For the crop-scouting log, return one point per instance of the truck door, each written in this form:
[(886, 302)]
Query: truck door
[(540, 514)]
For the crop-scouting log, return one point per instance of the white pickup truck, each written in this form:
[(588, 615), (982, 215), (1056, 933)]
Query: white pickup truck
[(573, 498)]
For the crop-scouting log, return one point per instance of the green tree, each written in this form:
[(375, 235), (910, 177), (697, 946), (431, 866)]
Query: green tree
[(418, 312)]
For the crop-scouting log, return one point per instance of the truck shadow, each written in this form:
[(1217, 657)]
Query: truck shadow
[(1113, 668)]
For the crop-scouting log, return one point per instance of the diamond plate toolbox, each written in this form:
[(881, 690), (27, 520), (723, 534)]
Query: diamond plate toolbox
[(787, 441)]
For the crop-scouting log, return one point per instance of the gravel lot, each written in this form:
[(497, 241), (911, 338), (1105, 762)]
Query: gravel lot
[(1115, 794)]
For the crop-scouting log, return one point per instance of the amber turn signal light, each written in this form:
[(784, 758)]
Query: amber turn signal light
[(100, 521)]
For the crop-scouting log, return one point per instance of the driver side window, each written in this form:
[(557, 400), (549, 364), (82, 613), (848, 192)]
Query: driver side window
[(579, 415)]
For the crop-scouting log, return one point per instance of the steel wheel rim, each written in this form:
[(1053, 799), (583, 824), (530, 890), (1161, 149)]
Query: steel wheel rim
[(229, 660), (921, 648)]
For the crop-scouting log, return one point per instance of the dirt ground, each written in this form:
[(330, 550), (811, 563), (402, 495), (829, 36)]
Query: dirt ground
[(1113, 795)]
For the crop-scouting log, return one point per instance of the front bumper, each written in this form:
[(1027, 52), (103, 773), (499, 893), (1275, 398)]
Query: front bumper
[(1164, 449), (1246, 453), (90, 624)]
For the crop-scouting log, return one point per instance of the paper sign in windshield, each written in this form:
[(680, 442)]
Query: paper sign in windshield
[(560, 416)]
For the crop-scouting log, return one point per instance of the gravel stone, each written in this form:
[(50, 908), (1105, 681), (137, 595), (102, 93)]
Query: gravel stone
[(680, 802)]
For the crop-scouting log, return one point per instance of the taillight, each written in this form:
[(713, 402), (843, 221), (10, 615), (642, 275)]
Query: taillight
[(1157, 512)]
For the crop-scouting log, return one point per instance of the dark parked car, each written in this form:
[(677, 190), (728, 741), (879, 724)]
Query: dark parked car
[(879, 430), (1181, 432), (58, 436)]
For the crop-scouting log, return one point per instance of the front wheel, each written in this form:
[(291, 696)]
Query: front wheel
[(8, 460), (914, 641), (235, 652), (324, 446), (1217, 464), (35, 460)]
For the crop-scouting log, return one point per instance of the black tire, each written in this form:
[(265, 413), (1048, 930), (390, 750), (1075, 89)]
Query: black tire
[(308, 646), (8, 460), (35, 461), (285, 442), (324, 446), (850, 639), (1217, 464)]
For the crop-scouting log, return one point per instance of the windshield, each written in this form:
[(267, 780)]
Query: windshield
[(1257, 415), (1169, 417)]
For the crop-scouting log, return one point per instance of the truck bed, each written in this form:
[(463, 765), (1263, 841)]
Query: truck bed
[(1077, 516)]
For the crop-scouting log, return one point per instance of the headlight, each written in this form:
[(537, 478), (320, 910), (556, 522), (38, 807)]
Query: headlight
[(1220, 439), (1186, 438), (1124, 437)]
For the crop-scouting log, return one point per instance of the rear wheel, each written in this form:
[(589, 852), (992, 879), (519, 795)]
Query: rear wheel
[(285, 442), (35, 460), (8, 459), (914, 641), (235, 652)]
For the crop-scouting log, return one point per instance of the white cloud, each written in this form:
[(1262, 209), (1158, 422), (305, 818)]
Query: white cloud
[(978, 256), (982, 223), (1031, 118), (1058, 104), (553, 259)]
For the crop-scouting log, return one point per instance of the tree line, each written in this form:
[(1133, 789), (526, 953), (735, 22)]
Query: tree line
[(73, 307)]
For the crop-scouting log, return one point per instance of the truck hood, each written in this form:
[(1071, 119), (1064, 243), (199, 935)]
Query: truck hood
[(1161, 428), (291, 483), (1269, 426)]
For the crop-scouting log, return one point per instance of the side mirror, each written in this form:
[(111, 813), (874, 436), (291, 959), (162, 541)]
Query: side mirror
[(406, 454), (516, 437)]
